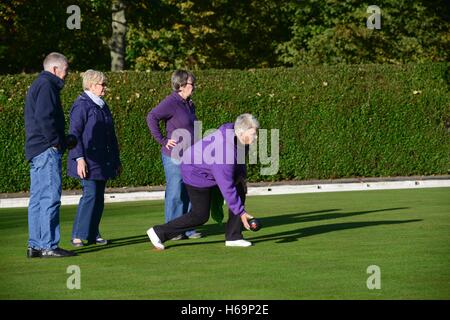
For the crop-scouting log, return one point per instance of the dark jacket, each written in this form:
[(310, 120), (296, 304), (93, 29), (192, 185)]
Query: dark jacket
[(97, 142), (44, 116)]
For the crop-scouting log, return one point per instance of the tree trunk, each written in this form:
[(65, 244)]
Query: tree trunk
[(119, 30)]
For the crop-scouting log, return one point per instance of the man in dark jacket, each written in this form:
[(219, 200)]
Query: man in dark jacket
[(44, 146)]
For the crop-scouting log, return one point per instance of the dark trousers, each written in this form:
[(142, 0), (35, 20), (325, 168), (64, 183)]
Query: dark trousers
[(199, 215), (90, 210)]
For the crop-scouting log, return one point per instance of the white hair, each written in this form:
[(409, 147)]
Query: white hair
[(245, 122), (91, 77), (55, 59)]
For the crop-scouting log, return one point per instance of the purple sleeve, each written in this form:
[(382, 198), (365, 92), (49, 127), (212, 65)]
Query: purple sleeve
[(163, 111), (223, 174)]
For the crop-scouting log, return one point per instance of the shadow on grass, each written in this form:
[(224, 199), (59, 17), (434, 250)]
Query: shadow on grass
[(267, 222), (114, 243), (284, 219), (294, 235)]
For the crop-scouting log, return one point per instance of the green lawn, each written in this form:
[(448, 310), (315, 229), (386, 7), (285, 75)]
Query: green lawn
[(311, 246)]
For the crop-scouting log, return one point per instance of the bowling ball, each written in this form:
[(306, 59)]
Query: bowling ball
[(254, 223), (71, 141)]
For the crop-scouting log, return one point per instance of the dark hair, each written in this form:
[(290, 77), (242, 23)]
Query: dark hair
[(180, 78)]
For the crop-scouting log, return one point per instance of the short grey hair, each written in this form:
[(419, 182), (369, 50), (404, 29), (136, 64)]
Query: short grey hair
[(180, 78), (245, 122), (91, 77), (55, 59)]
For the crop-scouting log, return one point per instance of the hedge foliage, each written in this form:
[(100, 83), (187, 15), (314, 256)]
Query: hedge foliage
[(334, 121)]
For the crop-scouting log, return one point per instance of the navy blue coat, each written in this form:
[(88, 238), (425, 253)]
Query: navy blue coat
[(97, 142), (44, 116)]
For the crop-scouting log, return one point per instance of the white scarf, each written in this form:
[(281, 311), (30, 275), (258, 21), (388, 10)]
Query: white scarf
[(97, 100)]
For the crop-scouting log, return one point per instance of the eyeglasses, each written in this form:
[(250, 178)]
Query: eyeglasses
[(102, 84)]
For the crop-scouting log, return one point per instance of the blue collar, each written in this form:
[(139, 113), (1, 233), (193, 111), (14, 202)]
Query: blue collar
[(54, 79)]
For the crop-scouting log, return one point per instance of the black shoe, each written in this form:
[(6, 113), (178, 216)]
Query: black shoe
[(33, 253), (57, 253)]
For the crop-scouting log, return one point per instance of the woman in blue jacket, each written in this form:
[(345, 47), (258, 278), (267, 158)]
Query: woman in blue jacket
[(95, 159)]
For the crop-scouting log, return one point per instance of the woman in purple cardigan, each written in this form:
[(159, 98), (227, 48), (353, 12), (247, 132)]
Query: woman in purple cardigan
[(177, 111), (95, 159), (204, 170)]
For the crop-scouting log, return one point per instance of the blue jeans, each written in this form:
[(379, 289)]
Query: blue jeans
[(90, 210), (45, 200), (176, 200)]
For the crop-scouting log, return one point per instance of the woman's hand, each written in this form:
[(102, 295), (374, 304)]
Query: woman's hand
[(170, 144), (82, 168), (244, 218)]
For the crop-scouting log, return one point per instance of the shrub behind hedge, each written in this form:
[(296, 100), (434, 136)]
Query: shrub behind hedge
[(334, 121)]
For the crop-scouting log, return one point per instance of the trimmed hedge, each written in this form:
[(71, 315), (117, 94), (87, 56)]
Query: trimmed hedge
[(334, 121)]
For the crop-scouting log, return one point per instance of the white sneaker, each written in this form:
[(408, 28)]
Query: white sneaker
[(155, 239), (238, 243), (195, 235)]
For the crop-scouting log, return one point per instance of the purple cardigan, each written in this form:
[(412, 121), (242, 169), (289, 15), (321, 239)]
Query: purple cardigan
[(222, 173), (97, 142), (176, 113)]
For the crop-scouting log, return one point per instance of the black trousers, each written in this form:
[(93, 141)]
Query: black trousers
[(199, 215)]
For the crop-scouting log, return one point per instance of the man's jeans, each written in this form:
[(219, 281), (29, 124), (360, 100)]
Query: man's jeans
[(45, 200), (176, 201)]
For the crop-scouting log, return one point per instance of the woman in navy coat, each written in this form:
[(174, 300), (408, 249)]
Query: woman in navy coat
[(95, 159)]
